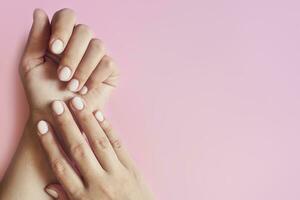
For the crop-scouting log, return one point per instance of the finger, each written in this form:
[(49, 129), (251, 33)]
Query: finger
[(106, 73), (114, 140), (98, 97), (56, 191), (96, 137), (62, 26), (74, 52), (89, 62), (61, 168), (76, 144), (101, 83), (37, 42)]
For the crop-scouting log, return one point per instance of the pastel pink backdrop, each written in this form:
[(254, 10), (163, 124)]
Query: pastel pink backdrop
[(209, 100)]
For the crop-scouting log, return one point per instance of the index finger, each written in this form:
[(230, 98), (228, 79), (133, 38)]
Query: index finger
[(62, 26), (60, 165)]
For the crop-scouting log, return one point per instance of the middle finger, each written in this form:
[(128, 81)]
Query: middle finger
[(77, 146), (74, 52)]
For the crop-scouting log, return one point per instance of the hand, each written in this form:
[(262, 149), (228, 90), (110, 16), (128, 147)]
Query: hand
[(106, 169), (75, 57)]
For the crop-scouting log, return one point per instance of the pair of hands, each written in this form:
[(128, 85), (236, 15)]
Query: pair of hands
[(68, 78)]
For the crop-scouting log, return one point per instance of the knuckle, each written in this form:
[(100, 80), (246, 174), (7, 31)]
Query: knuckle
[(78, 150), (97, 44), (116, 143), (100, 143), (24, 65), (77, 193), (58, 167), (84, 28), (85, 119), (107, 127), (81, 74), (108, 62)]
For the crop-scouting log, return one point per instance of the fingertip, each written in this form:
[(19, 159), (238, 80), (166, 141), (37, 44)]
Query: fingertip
[(64, 73), (57, 46), (84, 90), (73, 85), (99, 116), (77, 103), (58, 107), (51, 192), (55, 191), (38, 13), (42, 127)]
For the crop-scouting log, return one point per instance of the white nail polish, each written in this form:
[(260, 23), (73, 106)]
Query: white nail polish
[(99, 116), (42, 127), (57, 46), (84, 90), (78, 103), (64, 74), (52, 193), (58, 107), (73, 85)]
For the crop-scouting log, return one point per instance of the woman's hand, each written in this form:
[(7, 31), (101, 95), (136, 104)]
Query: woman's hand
[(106, 170), (61, 59)]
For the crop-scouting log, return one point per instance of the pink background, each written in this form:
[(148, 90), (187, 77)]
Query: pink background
[(209, 100)]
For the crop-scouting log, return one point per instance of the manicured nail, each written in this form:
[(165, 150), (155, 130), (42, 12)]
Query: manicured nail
[(99, 116), (42, 127), (58, 107), (57, 46), (73, 85), (77, 102), (52, 193), (84, 90), (64, 74)]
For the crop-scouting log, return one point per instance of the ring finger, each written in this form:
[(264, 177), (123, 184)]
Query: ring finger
[(89, 62)]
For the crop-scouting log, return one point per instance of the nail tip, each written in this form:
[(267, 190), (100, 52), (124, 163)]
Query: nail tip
[(84, 90), (99, 116), (42, 127), (73, 85), (57, 46), (64, 74), (57, 107), (52, 193), (78, 103)]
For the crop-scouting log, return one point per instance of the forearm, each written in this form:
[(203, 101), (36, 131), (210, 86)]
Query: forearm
[(28, 172)]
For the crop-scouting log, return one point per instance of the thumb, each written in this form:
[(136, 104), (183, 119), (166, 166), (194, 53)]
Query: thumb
[(37, 41), (56, 191)]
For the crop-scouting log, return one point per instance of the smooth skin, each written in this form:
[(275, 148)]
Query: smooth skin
[(105, 167), (40, 71), (84, 57)]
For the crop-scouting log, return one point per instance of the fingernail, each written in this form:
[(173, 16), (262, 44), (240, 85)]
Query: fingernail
[(77, 102), (42, 127), (73, 85), (84, 90), (58, 107), (99, 116), (64, 74), (57, 46), (52, 193)]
